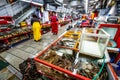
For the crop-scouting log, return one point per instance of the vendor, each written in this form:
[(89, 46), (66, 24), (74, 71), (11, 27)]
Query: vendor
[(36, 31), (36, 26), (94, 14), (34, 19), (54, 23), (84, 17)]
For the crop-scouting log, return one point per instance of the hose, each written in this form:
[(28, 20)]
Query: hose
[(100, 69)]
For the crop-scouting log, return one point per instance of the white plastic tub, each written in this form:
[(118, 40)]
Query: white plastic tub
[(93, 43)]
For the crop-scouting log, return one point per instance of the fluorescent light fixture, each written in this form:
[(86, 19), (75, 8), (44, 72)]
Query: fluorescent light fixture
[(26, 0), (30, 1), (61, 1), (91, 1), (74, 3), (80, 9), (37, 3), (86, 6), (79, 6), (64, 4)]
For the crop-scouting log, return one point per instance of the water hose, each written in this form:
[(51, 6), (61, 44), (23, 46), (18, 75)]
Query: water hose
[(100, 69)]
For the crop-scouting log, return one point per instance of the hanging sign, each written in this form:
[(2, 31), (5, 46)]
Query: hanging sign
[(50, 7)]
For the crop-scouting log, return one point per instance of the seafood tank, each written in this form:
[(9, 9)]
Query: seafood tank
[(62, 61), (86, 67)]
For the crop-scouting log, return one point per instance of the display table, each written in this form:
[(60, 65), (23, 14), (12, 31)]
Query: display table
[(11, 38)]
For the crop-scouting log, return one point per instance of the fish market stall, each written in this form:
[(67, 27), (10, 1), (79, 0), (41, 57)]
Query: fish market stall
[(61, 60)]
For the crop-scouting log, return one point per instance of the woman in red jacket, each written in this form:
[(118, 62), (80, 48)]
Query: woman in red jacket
[(54, 24)]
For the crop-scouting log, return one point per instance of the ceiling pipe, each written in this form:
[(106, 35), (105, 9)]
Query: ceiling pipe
[(86, 6)]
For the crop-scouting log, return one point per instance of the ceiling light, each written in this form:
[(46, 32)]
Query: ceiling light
[(64, 4), (61, 1), (79, 6), (74, 3)]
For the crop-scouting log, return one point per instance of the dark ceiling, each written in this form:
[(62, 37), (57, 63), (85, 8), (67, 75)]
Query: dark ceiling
[(81, 4), (78, 5), (75, 4)]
